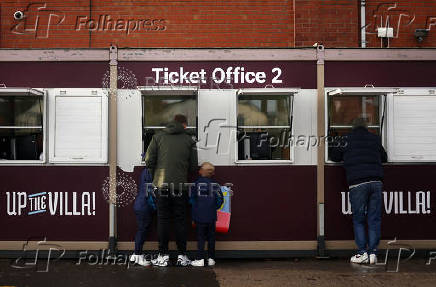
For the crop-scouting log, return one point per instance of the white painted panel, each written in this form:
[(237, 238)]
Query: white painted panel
[(78, 126), (412, 128), (217, 126), (304, 126), (129, 129)]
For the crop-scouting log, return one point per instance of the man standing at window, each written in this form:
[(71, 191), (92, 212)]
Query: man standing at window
[(170, 156), (363, 154)]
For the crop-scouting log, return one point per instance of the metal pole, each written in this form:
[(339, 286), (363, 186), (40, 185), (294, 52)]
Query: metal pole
[(113, 64), (321, 148)]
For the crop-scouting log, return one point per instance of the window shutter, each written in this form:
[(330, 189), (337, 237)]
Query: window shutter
[(78, 119), (412, 128)]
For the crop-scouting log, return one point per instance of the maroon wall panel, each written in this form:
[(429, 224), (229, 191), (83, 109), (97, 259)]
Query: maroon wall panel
[(409, 201), (269, 203), (380, 74), (54, 74), (92, 224), (298, 74)]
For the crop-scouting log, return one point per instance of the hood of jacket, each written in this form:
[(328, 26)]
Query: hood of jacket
[(174, 128)]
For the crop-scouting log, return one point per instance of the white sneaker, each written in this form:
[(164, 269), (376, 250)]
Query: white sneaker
[(183, 260), (359, 258), (154, 259), (372, 259), (198, 263), (139, 259), (143, 261), (134, 258), (161, 260), (210, 262)]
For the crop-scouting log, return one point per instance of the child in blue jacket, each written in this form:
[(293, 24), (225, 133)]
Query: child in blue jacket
[(144, 207), (206, 198)]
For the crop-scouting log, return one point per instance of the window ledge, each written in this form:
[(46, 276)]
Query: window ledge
[(264, 162), (22, 162)]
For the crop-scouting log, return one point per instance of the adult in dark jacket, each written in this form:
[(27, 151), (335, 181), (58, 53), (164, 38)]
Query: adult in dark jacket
[(363, 154), (170, 156)]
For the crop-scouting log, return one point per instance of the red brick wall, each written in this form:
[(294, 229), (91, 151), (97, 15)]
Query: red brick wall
[(333, 23), (163, 23), (210, 23)]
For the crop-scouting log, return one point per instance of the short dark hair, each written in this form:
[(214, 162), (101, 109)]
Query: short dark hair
[(181, 119), (360, 122)]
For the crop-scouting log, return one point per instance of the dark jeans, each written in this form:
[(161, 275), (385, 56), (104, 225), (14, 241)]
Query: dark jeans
[(143, 221), (205, 231), (171, 207), (366, 205)]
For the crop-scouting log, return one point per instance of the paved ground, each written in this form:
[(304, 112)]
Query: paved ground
[(292, 272)]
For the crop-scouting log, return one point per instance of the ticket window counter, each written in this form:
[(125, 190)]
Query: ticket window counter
[(264, 125), (160, 105), (345, 105), (22, 116)]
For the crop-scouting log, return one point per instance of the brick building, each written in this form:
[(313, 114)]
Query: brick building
[(241, 23), (81, 96)]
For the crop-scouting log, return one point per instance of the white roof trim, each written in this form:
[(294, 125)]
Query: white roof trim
[(168, 90), (271, 91), (20, 92), (359, 91)]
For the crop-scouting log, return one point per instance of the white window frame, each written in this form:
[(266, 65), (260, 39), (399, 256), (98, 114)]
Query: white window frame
[(269, 91), (30, 92), (78, 92), (164, 91), (428, 91), (364, 91)]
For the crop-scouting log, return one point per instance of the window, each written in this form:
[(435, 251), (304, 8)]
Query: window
[(78, 126), (264, 124), (160, 105), (345, 105), (22, 116), (412, 126)]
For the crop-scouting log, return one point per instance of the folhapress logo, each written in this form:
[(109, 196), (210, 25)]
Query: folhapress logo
[(37, 19), (106, 23)]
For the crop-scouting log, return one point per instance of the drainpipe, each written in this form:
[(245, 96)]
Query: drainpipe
[(362, 23)]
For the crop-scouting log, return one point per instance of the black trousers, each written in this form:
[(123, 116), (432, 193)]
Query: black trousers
[(205, 232), (143, 221), (171, 206)]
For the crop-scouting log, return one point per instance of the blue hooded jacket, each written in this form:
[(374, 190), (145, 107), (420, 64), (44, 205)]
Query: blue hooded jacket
[(206, 198), (145, 201)]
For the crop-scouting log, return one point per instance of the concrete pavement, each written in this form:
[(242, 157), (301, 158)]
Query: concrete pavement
[(289, 272)]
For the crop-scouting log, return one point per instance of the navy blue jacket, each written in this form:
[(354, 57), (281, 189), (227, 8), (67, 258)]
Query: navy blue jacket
[(144, 201), (206, 198), (363, 154)]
